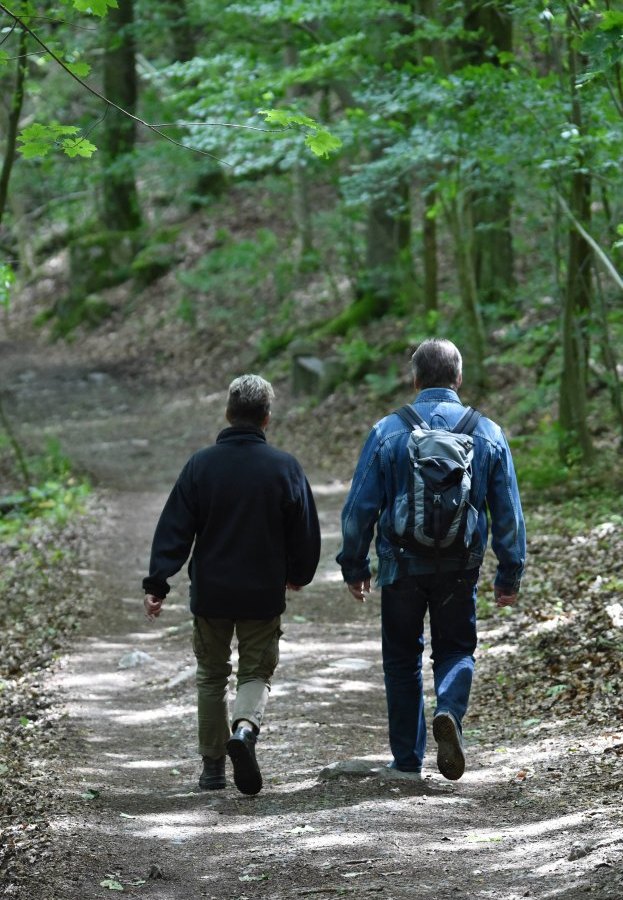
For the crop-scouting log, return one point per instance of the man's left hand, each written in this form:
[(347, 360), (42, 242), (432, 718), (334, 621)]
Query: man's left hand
[(153, 606), (293, 587)]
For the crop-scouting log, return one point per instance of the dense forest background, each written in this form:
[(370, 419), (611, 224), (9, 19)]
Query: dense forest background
[(190, 189), (330, 179)]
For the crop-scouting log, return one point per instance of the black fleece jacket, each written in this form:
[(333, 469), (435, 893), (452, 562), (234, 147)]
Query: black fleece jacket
[(249, 511)]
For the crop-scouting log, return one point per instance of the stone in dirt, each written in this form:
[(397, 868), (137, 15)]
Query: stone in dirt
[(135, 658)]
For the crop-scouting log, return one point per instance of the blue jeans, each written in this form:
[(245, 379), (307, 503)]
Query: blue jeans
[(451, 601)]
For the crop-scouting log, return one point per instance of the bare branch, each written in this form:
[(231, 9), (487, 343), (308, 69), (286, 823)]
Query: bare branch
[(602, 255), (219, 124), (24, 55), (60, 22)]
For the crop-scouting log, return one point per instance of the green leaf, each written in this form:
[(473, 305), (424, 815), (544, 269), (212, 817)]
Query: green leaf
[(322, 143), (23, 720), (79, 147), (286, 117), (4, 57), (37, 140), (97, 7), (611, 19), (112, 884), (7, 280), (555, 690), (81, 69), (90, 794)]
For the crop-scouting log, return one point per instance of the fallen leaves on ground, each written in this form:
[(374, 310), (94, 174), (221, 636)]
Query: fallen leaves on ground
[(41, 603)]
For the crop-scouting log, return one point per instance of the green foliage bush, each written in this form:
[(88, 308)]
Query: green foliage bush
[(151, 263), (54, 492), (240, 272)]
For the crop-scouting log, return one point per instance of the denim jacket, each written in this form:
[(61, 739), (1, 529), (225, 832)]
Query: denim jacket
[(382, 474)]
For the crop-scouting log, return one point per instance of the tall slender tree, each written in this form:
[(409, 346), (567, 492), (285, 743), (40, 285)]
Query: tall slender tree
[(489, 35), (574, 432), (16, 102), (121, 210), (388, 268)]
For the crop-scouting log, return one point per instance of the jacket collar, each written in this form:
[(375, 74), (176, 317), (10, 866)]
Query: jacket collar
[(241, 433), (438, 395)]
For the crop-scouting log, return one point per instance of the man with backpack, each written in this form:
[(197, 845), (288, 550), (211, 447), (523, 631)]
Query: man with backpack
[(246, 511), (430, 476)]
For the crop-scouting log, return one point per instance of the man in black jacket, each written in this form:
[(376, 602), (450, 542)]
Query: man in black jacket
[(249, 511)]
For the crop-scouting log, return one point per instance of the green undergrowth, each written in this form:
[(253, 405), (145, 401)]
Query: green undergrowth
[(544, 478), (40, 532), (44, 488)]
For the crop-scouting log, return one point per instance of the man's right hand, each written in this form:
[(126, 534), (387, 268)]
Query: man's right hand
[(504, 598), (153, 606), (359, 588)]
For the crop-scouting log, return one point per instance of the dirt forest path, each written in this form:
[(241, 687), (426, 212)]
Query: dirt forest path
[(130, 814)]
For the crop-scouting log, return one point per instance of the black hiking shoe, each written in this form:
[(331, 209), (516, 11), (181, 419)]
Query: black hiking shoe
[(213, 776), (241, 750), (450, 755)]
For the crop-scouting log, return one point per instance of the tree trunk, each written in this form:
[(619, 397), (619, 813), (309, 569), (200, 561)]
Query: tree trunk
[(609, 356), (574, 433), (491, 213), (429, 234), (121, 211), (302, 207), (493, 245), (462, 232), (387, 275), (15, 111), (182, 34), (437, 50)]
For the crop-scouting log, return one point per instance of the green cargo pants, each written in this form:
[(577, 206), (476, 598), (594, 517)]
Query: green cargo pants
[(258, 655)]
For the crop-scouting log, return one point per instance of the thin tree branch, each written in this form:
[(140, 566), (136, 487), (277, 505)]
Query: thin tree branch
[(150, 126), (217, 124), (24, 55), (60, 22)]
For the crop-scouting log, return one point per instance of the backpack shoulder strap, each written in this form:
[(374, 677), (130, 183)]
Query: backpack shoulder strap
[(467, 422), (412, 418)]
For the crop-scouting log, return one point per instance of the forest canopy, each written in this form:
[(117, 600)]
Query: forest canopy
[(454, 167)]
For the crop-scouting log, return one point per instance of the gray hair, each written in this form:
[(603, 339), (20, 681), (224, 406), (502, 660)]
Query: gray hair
[(248, 400), (437, 363)]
